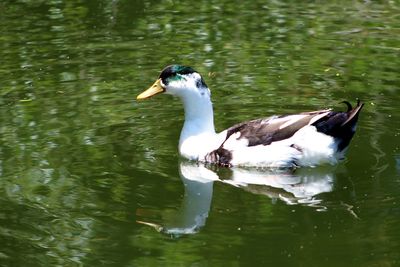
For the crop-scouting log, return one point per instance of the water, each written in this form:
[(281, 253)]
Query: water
[(89, 176)]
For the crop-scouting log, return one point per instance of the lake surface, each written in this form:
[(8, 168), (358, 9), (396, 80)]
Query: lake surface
[(91, 177)]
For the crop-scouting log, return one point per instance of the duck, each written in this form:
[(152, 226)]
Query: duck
[(306, 139)]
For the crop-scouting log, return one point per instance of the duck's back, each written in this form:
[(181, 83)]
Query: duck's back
[(304, 139)]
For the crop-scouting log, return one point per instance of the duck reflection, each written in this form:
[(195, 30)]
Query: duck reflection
[(293, 187), (301, 186)]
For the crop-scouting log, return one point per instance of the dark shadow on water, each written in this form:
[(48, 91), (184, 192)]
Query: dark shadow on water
[(293, 187)]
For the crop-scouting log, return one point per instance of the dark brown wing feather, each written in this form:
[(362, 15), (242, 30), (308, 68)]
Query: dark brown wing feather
[(268, 130)]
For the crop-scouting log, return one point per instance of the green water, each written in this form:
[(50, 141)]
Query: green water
[(90, 177)]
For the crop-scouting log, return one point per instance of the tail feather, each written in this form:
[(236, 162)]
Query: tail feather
[(340, 125), (353, 113)]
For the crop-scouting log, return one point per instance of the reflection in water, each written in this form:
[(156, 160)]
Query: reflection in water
[(198, 182), (299, 187)]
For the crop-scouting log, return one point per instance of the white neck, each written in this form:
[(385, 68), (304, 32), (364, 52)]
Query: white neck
[(198, 131), (199, 114)]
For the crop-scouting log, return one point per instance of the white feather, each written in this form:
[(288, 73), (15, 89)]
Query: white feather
[(316, 148), (273, 155)]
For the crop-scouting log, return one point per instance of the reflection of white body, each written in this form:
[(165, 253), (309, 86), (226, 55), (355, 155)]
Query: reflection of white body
[(301, 188)]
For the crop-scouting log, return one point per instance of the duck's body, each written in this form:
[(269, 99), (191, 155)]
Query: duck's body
[(305, 139)]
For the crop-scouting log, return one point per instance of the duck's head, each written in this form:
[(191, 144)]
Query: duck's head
[(179, 81)]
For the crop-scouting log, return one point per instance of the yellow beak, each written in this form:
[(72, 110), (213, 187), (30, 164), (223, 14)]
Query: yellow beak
[(155, 89)]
